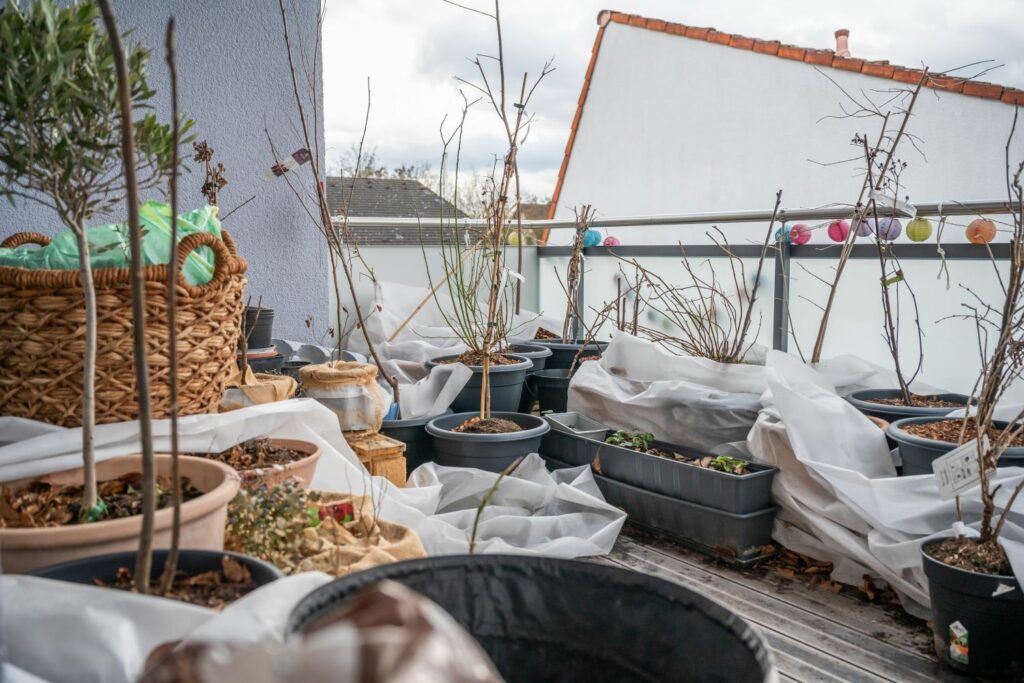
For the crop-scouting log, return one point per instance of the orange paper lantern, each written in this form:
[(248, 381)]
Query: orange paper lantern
[(981, 231)]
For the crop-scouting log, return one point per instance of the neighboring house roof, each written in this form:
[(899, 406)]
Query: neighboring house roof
[(388, 198), (828, 58)]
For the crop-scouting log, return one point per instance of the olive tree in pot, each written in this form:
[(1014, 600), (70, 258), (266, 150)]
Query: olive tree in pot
[(480, 301), (233, 576), (977, 601), (60, 143)]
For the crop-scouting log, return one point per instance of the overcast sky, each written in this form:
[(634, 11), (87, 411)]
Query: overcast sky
[(411, 50)]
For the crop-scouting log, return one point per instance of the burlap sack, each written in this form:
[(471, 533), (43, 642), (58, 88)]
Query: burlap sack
[(335, 550), (255, 388), (350, 390)]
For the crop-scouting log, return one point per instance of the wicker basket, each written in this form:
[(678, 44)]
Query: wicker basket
[(42, 337)]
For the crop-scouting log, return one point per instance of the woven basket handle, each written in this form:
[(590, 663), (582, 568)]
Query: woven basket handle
[(18, 239), (222, 256)]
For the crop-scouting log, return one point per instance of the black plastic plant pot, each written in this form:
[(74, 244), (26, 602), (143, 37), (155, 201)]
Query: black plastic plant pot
[(861, 400), (977, 620), (535, 352), (104, 568), (539, 355), (506, 382), (419, 446), (729, 536), (552, 387), (918, 453), (293, 367), (738, 493), (549, 619), (491, 452), (562, 354), (259, 327), (266, 365)]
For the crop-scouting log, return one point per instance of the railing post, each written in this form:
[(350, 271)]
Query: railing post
[(780, 308), (577, 330)]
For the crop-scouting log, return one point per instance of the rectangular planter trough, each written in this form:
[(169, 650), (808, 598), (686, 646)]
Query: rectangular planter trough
[(738, 493), (726, 535), (739, 539)]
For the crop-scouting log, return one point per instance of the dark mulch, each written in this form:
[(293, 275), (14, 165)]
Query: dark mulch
[(255, 454), (544, 334), (972, 555), (490, 425), (706, 462), (46, 505), (475, 358), (949, 431), (214, 589), (916, 401)]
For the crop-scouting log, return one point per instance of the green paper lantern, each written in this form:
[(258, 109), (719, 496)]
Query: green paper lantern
[(919, 229)]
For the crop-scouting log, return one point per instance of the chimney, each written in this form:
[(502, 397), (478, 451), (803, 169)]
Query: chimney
[(843, 42)]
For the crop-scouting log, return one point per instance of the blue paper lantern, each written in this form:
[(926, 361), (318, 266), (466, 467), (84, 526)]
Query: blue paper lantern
[(592, 238)]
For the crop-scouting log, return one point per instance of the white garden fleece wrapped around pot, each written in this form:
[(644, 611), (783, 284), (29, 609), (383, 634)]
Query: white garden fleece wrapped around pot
[(840, 497), (689, 401)]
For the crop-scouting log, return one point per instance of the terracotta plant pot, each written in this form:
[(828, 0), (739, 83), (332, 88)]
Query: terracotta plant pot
[(302, 469), (202, 519)]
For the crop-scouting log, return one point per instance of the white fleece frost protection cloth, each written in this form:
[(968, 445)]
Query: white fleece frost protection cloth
[(426, 336), (690, 401), (840, 498)]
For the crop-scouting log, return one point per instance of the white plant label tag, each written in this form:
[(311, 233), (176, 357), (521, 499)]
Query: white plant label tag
[(957, 471), (1002, 589)]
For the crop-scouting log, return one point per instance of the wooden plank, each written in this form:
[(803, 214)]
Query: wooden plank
[(868, 619), (814, 637)]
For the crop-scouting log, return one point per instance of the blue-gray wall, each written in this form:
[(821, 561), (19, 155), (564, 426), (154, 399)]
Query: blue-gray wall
[(234, 80)]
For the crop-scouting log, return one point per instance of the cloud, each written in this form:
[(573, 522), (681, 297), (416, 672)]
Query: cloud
[(412, 49)]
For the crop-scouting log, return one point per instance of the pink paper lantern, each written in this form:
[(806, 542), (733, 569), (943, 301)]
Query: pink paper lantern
[(800, 234), (611, 241), (838, 231)]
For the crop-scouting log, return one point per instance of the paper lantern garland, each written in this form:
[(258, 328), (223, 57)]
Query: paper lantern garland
[(611, 241), (919, 229), (865, 227), (981, 231), (782, 234)]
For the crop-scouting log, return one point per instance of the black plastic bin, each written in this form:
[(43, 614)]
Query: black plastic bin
[(552, 387), (726, 535), (259, 328), (548, 619)]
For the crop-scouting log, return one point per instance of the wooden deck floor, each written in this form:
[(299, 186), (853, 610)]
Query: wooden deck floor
[(814, 634)]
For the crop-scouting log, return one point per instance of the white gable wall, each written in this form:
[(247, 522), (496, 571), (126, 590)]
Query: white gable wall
[(678, 125)]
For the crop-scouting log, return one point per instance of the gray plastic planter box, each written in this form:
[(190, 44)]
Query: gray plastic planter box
[(727, 535), (491, 452), (919, 453), (738, 493), (574, 423), (506, 382)]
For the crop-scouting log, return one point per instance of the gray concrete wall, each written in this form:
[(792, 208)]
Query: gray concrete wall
[(234, 80)]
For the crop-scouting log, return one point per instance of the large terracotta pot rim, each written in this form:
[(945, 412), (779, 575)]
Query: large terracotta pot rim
[(77, 534)]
